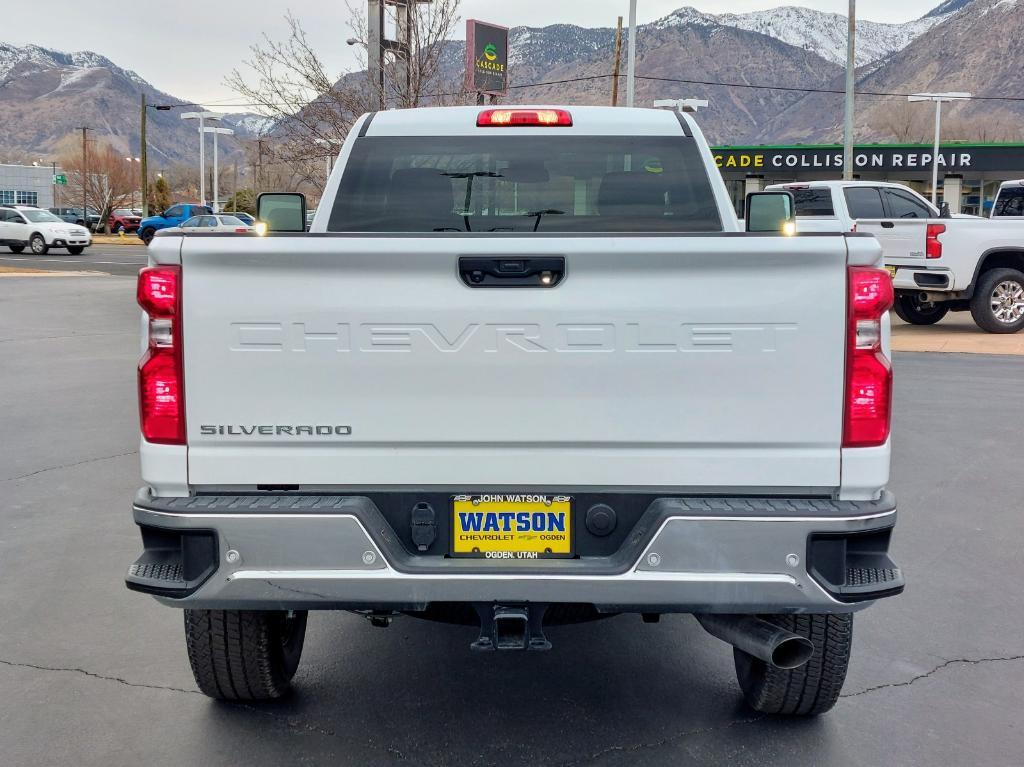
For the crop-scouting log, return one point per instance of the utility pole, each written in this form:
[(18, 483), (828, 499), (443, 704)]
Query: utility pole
[(617, 66), (631, 66), (375, 50), (85, 175), (54, 179), (851, 83), (142, 158), (234, 191), (259, 166)]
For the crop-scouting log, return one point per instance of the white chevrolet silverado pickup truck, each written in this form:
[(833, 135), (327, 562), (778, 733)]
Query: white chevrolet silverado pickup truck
[(524, 370), (938, 263)]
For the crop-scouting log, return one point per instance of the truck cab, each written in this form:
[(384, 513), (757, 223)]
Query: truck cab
[(172, 217)]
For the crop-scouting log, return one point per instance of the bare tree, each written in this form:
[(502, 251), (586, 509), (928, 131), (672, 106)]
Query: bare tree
[(106, 178), (903, 122), (313, 109)]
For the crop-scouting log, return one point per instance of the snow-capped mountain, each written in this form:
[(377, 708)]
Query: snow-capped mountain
[(45, 95), (31, 59), (820, 32)]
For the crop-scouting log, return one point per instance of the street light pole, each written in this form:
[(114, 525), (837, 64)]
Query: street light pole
[(851, 84), (939, 99), (202, 117), (631, 66), (216, 167)]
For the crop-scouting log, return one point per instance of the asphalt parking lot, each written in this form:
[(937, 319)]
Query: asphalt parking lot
[(121, 260), (92, 674)]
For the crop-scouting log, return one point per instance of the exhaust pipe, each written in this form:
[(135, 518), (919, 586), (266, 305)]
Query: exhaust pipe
[(761, 639)]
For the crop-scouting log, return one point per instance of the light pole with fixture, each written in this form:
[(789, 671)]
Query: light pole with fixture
[(202, 117), (682, 105), (939, 99), (216, 168), (131, 160), (851, 84)]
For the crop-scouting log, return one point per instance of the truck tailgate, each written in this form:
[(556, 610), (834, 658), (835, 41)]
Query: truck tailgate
[(688, 362)]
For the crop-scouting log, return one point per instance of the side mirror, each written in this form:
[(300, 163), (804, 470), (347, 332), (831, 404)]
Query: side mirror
[(282, 211), (944, 211), (771, 212)]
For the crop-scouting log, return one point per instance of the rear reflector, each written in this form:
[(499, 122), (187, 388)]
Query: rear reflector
[(933, 245), (161, 379), (868, 372), (524, 118)]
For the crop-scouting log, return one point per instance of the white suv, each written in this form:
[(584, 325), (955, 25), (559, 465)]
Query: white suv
[(24, 226)]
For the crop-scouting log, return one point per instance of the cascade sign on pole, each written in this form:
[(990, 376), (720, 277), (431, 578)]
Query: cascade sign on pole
[(486, 58)]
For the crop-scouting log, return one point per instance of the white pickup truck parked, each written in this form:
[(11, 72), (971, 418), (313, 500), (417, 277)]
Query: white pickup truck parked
[(524, 370), (939, 264)]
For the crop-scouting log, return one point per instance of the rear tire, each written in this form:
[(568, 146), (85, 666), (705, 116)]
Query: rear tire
[(16, 248), (76, 250), (244, 655), (38, 245), (909, 309), (998, 302), (811, 689), (147, 235)]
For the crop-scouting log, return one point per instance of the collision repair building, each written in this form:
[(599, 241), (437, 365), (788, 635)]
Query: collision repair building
[(969, 174)]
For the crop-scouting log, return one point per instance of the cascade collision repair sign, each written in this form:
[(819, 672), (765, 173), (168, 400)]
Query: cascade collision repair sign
[(953, 158), (486, 58)]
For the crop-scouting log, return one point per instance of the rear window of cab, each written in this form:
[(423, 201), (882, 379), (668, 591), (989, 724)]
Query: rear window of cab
[(813, 202), (525, 184)]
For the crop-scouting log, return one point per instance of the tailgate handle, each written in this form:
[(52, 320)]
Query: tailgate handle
[(512, 271), (888, 225)]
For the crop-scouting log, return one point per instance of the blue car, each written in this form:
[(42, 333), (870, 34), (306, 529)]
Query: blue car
[(173, 216)]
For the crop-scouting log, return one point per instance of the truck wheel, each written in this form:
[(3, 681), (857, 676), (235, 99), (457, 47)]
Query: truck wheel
[(811, 689), (910, 309), (998, 302), (244, 654), (147, 235), (38, 245), (16, 248)]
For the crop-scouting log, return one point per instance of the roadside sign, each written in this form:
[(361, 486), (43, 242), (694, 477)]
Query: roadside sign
[(486, 58), (60, 180)]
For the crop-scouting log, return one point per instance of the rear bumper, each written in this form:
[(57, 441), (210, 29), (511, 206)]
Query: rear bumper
[(918, 279), (275, 552)]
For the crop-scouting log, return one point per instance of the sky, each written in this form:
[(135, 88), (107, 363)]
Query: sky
[(188, 47)]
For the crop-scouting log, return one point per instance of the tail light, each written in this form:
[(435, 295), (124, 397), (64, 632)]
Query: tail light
[(933, 245), (161, 379), (524, 118), (240, 230), (868, 372)]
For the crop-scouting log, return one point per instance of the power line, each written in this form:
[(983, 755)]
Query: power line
[(591, 78)]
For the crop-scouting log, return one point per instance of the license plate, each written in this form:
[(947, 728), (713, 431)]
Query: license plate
[(512, 526), (891, 270)]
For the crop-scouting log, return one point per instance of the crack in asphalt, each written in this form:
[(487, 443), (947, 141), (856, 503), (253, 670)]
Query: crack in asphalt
[(68, 466), (660, 743), (290, 721), (93, 675), (62, 337), (940, 667)]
